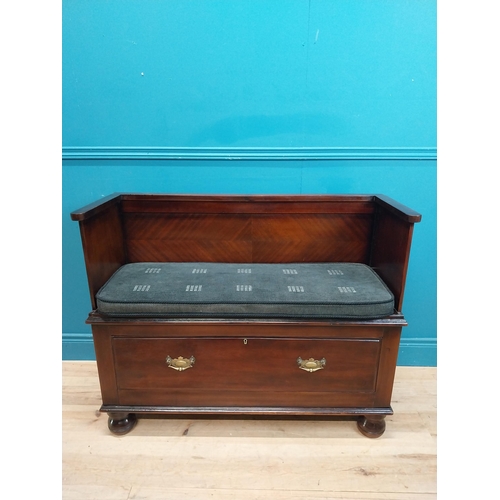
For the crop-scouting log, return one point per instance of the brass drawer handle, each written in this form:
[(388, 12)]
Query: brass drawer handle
[(180, 364), (311, 364)]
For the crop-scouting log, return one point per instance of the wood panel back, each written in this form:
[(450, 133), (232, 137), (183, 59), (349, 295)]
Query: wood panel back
[(248, 237)]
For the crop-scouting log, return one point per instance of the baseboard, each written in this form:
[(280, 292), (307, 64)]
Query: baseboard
[(418, 352), (251, 153), (78, 347)]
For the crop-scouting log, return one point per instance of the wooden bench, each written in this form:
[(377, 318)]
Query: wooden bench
[(269, 366)]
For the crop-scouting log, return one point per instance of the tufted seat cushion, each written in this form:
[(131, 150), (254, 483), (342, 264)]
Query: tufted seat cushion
[(317, 290)]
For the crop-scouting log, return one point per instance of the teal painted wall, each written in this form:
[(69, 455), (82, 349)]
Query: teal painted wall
[(316, 96), (249, 72)]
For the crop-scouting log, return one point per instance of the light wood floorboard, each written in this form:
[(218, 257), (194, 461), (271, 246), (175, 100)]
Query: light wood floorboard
[(248, 459)]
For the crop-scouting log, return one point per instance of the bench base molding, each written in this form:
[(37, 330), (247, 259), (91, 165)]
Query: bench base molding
[(370, 421)]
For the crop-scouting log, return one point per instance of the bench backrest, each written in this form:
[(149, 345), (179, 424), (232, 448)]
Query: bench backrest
[(369, 229)]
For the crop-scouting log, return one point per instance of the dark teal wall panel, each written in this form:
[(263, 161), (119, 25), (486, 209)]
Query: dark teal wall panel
[(411, 182)]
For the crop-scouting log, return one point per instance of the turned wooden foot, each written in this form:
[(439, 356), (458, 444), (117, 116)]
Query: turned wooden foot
[(121, 423), (372, 426)]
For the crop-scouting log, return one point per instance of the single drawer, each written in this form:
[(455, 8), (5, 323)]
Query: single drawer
[(239, 371)]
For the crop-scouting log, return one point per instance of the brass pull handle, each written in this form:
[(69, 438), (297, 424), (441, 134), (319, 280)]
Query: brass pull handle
[(311, 365), (180, 364)]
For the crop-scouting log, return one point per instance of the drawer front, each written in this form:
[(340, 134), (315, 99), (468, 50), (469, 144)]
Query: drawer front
[(242, 372)]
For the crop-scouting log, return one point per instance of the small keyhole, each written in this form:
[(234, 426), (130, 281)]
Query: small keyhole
[(245, 341)]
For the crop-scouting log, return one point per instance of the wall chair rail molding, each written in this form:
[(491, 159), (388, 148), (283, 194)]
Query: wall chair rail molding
[(249, 153)]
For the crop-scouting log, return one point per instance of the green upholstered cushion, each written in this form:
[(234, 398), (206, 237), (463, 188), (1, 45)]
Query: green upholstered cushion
[(316, 290)]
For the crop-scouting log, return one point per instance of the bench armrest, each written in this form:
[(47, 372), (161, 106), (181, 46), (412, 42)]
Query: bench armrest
[(397, 209), (102, 240), (96, 207), (391, 242)]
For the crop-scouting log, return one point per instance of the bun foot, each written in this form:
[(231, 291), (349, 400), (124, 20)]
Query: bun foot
[(372, 426), (121, 423)]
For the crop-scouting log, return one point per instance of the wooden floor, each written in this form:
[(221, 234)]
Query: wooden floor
[(248, 459)]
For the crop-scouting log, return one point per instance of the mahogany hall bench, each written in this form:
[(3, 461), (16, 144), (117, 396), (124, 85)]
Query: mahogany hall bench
[(246, 305)]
